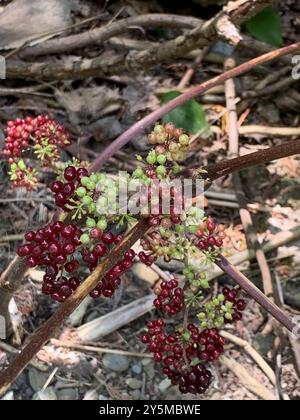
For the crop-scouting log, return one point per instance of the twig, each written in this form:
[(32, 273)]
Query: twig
[(253, 353), (98, 36), (269, 131), (237, 12), (247, 379), (269, 90), (60, 343), (110, 322), (185, 81)]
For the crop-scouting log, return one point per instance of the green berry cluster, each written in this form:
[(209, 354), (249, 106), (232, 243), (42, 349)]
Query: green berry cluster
[(171, 144), (216, 312), (196, 279)]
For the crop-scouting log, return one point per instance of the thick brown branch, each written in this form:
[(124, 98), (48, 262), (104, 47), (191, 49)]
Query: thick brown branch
[(227, 167), (98, 36), (56, 321), (236, 11)]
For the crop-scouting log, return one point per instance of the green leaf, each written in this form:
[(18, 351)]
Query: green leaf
[(265, 26), (190, 116)]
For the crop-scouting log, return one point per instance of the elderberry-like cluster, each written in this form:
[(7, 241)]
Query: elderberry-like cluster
[(40, 136), (175, 352), (64, 191), (54, 246), (209, 235), (239, 305), (111, 281), (170, 299)]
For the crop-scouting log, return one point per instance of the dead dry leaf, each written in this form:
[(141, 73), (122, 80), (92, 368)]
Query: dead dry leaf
[(85, 105), (25, 20)]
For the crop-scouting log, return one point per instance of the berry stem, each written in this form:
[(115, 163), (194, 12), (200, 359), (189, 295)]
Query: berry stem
[(50, 327), (254, 292)]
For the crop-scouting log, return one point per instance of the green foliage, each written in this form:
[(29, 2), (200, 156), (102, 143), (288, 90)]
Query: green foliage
[(190, 116), (265, 26)]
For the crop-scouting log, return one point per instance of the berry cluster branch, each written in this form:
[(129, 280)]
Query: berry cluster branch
[(236, 12), (226, 167), (254, 292), (154, 116), (49, 328)]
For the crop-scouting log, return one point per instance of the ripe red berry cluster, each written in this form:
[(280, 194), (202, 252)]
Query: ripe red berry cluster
[(207, 344), (146, 258), (54, 246), (22, 133), (210, 235), (170, 299), (38, 136), (175, 352), (195, 379), (64, 191), (111, 281), (239, 305)]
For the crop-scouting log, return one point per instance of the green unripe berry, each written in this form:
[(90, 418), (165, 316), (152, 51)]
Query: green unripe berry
[(90, 223), (102, 224), (159, 129), (151, 158), (179, 228), (228, 316), (204, 284), (201, 315), (184, 140), (86, 200), (161, 170), (94, 178), (92, 207), (176, 169), (13, 167), (21, 165), (161, 159), (85, 180), (221, 298), (193, 228), (161, 138), (138, 173), (91, 185), (81, 192), (84, 238)]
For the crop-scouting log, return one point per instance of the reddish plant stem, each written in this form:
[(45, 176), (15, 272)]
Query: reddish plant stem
[(50, 327), (226, 167), (254, 292), (150, 119)]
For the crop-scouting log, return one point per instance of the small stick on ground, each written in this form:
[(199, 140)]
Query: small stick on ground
[(253, 353), (247, 379), (94, 349)]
